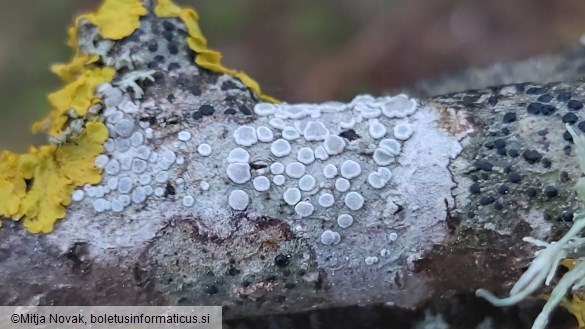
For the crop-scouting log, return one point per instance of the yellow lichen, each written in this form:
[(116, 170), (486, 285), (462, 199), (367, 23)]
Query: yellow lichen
[(205, 57), (57, 171), (76, 158), (72, 33), (44, 202), (570, 263), (575, 304), (53, 173), (166, 8), (578, 310), (117, 19), (71, 71), (79, 95), (12, 186), (35, 187)]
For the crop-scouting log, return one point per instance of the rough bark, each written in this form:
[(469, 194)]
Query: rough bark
[(482, 169)]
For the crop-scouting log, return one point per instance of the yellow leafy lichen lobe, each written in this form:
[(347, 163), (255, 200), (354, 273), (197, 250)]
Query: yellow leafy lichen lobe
[(27, 164), (36, 187), (190, 18), (166, 8), (72, 70), (79, 95), (44, 202), (117, 19), (77, 158), (72, 33), (12, 186), (205, 57), (569, 263), (55, 173)]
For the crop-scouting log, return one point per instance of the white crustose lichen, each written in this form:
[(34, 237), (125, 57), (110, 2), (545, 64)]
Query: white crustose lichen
[(327, 171)]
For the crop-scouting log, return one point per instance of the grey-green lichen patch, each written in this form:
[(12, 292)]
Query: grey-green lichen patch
[(521, 163)]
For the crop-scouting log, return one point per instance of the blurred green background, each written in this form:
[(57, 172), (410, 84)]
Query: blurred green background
[(300, 50)]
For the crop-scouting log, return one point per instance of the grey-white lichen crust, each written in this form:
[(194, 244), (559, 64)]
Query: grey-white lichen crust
[(364, 183), (199, 180)]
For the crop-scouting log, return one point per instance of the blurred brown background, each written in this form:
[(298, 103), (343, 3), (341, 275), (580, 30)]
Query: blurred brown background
[(301, 50)]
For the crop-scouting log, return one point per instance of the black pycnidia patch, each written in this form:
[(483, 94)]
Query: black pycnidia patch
[(503, 189), (514, 177), (570, 118), (548, 110), (551, 191), (245, 110), (509, 117), (534, 108), (567, 216), (350, 135), (152, 46), (545, 98), (483, 165), (168, 35), (174, 66), (168, 25), (499, 143), (536, 91), (227, 85), (564, 96), (282, 260), (493, 100), (206, 109), (474, 188), (574, 105), (197, 115), (173, 49), (484, 201), (211, 289), (532, 156)]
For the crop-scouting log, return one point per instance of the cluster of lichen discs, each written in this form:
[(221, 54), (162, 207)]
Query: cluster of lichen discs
[(322, 161), (303, 163), (133, 170)]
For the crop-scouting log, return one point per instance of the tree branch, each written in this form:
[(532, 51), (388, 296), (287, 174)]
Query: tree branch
[(189, 209)]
